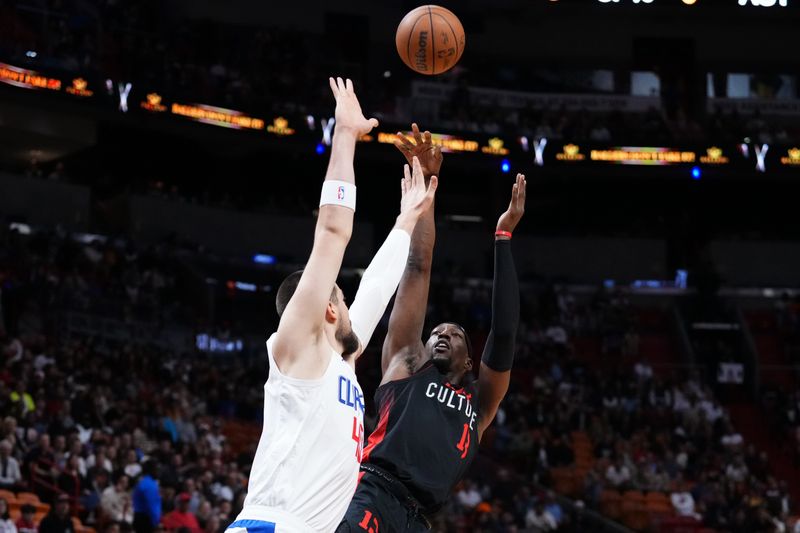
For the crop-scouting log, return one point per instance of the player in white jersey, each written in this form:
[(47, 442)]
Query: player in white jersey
[(306, 465)]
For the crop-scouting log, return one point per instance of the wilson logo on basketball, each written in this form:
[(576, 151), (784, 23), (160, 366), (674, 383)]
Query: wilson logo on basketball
[(422, 52)]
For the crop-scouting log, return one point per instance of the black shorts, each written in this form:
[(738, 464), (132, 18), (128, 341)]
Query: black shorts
[(374, 509)]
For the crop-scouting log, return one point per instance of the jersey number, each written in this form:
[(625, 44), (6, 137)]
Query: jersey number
[(358, 436), (369, 523), (463, 445)]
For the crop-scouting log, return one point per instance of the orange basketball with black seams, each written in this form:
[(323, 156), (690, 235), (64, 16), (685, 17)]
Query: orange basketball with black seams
[(430, 40)]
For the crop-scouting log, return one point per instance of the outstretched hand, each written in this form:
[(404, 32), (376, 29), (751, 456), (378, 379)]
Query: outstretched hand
[(349, 116), (416, 197), (516, 208), (430, 156)]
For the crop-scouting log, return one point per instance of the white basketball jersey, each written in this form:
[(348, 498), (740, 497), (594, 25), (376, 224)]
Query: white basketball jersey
[(306, 466)]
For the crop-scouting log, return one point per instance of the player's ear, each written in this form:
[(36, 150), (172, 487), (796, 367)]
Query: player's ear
[(331, 314), (468, 363)]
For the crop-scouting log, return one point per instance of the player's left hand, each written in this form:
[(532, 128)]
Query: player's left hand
[(516, 208), (430, 156), (416, 197), (349, 116)]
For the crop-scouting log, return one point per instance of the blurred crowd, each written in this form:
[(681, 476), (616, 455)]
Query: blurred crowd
[(90, 421)]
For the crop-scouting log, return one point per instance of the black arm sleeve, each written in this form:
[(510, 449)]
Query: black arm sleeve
[(499, 351)]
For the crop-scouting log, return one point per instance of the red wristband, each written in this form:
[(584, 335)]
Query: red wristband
[(501, 233)]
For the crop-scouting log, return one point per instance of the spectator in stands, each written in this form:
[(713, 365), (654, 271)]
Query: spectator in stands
[(69, 480), (116, 501), (99, 459), (91, 497), (76, 450), (469, 496), (225, 511), (215, 438), (204, 513), (10, 475), (552, 507), (21, 399), (190, 487), (618, 474), (214, 525), (539, 519), (731, 440), (6, 524), (25, 523), (181, 517), (132, 467), (643, 370), (58, 519), (60, 450), (557, 335), (683, 502), (736, 471), (41, 465), (146, 501)]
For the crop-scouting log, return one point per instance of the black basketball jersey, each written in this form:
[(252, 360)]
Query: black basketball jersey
[(427, 434)]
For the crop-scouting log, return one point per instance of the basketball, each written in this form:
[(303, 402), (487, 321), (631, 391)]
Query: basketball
[(430, 40)]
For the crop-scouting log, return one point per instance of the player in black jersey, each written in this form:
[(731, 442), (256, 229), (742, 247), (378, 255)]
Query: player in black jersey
[(432, 413)]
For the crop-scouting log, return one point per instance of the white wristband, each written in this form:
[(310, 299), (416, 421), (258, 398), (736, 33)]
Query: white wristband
[(337, 192)]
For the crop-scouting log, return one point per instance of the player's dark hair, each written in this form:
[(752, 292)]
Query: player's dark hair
[(287, 288), (469, 376), (466, 338)]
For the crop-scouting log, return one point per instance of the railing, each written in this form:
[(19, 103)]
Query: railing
[(751, 352), (587, 519)]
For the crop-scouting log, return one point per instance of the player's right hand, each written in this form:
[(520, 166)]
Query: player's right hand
[(349, 116), (516, 207), (430, 156), (416, 197)]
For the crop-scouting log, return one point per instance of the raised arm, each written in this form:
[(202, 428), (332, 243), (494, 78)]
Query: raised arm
[(300, 348), (498, 355), (381, 277), (403, 348)]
